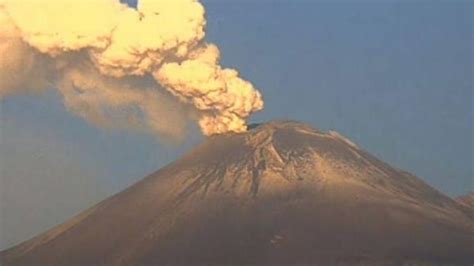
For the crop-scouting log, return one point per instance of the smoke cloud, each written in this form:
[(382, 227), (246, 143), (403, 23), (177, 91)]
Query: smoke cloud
[(147, 68)]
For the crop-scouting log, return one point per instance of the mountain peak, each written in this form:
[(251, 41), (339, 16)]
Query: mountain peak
[(269, 156)]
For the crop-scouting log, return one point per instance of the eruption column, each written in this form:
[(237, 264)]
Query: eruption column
[(146, 68)]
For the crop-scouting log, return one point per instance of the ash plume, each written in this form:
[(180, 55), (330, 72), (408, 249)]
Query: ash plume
[(115, 66)]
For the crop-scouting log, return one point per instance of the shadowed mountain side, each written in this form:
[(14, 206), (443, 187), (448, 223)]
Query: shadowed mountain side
[(281, 194)]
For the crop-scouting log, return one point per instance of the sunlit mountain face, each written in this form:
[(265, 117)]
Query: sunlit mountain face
[(282, 193)]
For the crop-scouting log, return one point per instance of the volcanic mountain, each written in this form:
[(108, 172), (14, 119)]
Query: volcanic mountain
[(282, 193)]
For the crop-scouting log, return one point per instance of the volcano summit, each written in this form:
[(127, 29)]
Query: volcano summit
[(282, 193)]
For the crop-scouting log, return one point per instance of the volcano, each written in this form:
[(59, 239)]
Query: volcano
[(282, 193)]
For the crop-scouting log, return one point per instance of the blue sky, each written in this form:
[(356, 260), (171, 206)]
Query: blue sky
[(394, 77)]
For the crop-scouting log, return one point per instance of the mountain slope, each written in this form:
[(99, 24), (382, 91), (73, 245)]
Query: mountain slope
[(467, 200), (282, 193)]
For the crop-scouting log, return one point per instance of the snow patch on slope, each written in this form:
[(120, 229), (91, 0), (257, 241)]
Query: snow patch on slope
[(337, 135)]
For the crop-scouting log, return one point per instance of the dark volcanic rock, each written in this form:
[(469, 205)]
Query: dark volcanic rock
[(281, 194)]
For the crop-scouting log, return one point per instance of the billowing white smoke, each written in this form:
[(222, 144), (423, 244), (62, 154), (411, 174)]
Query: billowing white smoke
[(111, 63)]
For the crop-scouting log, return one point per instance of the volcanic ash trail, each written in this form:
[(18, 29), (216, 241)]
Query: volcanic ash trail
[(147, 68)]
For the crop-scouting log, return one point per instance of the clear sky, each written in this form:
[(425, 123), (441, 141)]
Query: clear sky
[(394, 77)]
